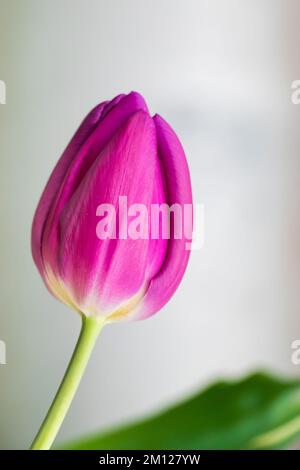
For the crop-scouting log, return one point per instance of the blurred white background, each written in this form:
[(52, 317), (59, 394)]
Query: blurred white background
[(220, 72)]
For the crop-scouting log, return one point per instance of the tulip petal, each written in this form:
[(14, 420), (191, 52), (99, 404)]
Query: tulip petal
[(178, 186), (57, 177), (103, 275), (157, 246), (93, 134)]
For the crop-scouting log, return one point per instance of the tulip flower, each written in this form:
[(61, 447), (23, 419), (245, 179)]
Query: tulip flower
[(119, 152)]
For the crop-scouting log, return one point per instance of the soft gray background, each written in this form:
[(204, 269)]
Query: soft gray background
[(220, 72)]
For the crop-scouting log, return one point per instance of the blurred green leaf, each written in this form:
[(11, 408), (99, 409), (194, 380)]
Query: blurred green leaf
[(257, 412)]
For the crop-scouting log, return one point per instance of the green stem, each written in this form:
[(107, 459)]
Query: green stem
[(90, 330)]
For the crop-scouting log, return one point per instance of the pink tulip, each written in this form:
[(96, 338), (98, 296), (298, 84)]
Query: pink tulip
[(119, 150)]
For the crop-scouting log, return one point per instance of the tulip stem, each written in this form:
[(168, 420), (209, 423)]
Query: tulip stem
[(90, 330)]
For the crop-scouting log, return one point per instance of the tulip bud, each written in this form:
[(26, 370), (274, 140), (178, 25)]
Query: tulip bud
[(119, 153)]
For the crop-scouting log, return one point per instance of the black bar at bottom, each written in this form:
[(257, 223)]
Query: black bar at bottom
[(133, 458)]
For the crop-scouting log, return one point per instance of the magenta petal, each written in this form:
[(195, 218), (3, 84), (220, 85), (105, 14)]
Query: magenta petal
[(178, 185), (93, 134), (157, 247), (102, 275), (57, 176)]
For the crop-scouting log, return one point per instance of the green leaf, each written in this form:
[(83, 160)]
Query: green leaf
[(257, 412)]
